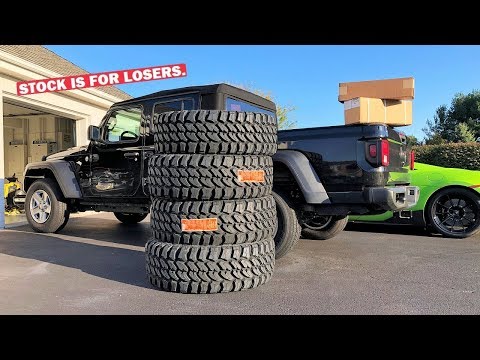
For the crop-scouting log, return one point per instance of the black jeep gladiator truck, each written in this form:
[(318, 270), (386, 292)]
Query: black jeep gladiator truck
[(320, 175)]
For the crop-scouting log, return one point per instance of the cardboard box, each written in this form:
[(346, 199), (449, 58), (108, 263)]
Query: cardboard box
[(364, 110), (391, 89)]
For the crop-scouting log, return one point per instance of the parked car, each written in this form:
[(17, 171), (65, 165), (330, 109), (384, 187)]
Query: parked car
[(449, 202)]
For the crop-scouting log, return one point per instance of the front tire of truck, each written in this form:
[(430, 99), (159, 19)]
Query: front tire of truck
[(45, 208), (323, 227), (129, 218), (288, 228)]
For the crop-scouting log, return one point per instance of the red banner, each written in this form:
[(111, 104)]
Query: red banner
[(101, 79)]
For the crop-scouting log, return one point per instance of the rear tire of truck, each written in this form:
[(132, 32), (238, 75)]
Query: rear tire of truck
[(214, 132), (329, 227), (130, 218), (236, 221), (45, 208), (288, 229), (209, 269), (209, 177)]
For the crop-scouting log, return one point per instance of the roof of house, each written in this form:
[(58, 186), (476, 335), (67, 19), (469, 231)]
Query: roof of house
[(47, 59)]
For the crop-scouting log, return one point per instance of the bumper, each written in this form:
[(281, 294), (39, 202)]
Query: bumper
[(393, 198)]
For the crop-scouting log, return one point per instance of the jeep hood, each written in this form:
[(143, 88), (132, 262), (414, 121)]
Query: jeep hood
[(73, 151)]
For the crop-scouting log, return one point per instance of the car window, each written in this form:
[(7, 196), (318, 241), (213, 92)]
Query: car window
[(123, 125), (167, 106), (188, 104), (182, 104), (238, 105)]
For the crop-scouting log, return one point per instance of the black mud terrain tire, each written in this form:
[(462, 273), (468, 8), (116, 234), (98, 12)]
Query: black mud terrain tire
[(209, 177), (288, 232), (333, 226), (45, 196), (209, 269), (214, 132), (239, 221), (130, 218)]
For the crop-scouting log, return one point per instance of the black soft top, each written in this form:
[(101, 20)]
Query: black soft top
[(209, 89)]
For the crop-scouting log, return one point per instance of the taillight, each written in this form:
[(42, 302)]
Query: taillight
[(372, 150), (385, 153), (412, 160)]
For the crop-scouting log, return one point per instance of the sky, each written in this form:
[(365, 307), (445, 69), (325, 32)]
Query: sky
[(305, 77)]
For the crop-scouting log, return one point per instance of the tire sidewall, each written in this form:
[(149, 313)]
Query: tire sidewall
[(288, 228), (282, 215)]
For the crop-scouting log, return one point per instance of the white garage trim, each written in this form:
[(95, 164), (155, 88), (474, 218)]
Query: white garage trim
[(85, 106), (31, 71), (2, 161)]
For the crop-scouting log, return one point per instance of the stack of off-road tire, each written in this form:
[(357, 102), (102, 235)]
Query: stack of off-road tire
[(213, 216)]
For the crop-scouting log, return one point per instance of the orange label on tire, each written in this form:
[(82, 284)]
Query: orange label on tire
[(210, 224), (251, 175)]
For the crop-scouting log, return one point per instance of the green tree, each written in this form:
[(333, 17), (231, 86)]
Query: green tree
[(437, 126), (283, 112), (464, 109), (412, 140), (435, 139), (463, 133), (284, 122)]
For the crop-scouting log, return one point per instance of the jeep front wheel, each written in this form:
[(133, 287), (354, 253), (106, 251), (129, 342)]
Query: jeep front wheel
[(45, 209), (129, 218)]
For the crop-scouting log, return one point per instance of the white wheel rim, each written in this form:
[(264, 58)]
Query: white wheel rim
[(40, 206)]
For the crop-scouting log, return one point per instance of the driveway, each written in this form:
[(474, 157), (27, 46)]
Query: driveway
[(96, 266)]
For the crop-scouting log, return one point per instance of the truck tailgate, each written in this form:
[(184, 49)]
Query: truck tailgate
[(339, 155), (399, 158)]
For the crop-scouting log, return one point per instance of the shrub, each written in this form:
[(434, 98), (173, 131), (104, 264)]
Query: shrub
[(452, 155)]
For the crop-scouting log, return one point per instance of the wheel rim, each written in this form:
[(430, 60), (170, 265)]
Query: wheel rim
[(40, 206), (318, 222), (455, 213)]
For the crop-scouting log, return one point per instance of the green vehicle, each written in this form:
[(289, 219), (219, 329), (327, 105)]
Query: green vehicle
[(449, 202)]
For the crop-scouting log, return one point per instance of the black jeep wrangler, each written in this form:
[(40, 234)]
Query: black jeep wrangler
[(320, 174), (110, 173)]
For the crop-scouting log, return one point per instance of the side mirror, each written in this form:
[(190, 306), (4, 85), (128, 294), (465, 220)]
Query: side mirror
[(93, 133)]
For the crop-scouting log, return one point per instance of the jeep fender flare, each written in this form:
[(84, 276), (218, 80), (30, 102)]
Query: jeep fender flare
[(61, 170), (304, 174)]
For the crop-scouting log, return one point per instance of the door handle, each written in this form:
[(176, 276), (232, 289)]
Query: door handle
[(131, 155)]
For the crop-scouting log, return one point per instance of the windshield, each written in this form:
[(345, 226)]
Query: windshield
[(123, 125)]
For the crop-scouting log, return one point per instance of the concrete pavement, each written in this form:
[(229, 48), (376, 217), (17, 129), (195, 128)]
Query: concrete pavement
[(96, 266)]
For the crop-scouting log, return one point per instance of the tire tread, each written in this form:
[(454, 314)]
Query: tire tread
[(214, 132), (209, 269), (207, 177), (239, 221)]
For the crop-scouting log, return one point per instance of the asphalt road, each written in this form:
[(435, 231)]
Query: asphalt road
[(96, 266)]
